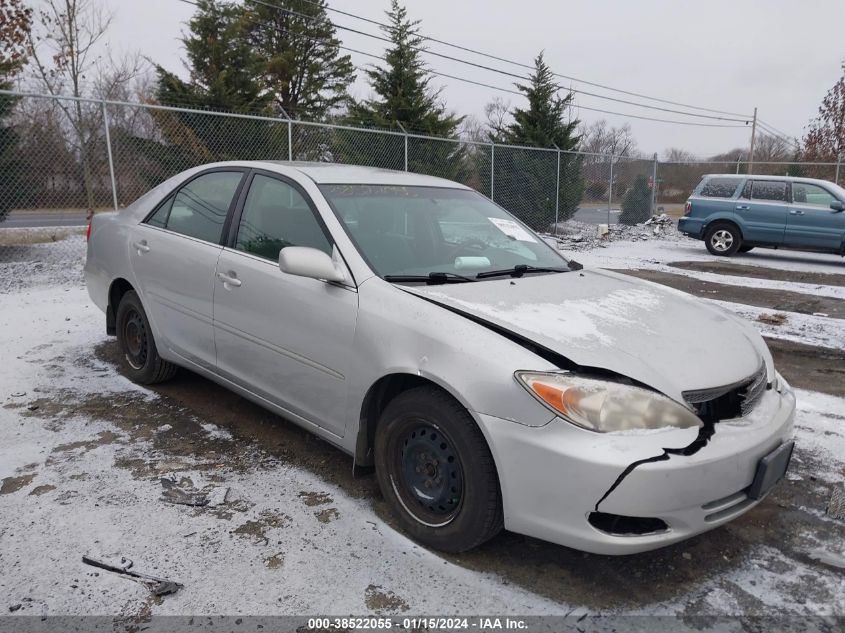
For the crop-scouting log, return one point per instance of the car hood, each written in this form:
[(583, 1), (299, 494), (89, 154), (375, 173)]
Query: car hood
[(656, 335)]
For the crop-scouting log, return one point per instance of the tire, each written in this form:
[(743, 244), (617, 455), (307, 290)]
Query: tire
[(424, 435), (141, 361), (745, 249), (723, 239)]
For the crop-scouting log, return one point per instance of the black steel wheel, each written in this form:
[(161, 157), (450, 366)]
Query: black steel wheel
[(435, 469), (137, 344)]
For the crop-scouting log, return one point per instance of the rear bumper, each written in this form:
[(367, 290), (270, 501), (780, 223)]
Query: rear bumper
[(691, 227), (553, 476)]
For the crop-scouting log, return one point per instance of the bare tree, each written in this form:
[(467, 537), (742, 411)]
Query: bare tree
[(497, 113), (67, 54), (601, 138)]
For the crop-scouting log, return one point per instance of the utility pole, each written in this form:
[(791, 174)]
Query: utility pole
[(654, 185), (753, 135)]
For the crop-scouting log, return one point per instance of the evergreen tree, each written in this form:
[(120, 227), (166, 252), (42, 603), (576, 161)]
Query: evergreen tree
[(225, 76), (636, 206), (525, 179), (299, 59), (404, 97)]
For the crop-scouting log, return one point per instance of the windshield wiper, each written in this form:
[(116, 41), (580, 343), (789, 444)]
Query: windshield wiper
[(519, 270), (431, 279)]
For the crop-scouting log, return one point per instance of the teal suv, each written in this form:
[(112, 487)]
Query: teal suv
[(736, 213)]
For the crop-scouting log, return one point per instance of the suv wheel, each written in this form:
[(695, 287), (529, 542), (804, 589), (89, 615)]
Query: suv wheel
[(723, 239)]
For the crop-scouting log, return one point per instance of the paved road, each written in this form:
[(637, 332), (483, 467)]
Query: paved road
[(47, 219)]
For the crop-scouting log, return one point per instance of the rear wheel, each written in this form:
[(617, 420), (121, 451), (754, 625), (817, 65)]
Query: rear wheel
[(436, 471), (135, 338), (723, 239)]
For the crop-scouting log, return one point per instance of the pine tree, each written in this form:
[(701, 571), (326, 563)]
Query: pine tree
[(404, 97), (300, 64), (636, 206), (526, 179)]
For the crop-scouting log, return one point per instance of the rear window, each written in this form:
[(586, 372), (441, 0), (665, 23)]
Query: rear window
[(719, 188)]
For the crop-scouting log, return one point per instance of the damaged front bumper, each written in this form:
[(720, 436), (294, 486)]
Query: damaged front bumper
[(554, 477)]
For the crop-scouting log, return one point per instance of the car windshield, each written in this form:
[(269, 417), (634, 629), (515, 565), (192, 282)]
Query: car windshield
[(416, 231)]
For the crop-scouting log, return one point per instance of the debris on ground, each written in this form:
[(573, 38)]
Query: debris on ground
[(182, 492), (158, 586), (15, 607), (776, 318), (836, 505), (580, 236)]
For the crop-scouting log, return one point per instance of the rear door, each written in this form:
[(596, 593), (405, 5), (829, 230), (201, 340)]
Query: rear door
[(811, 222), (174, 254), (763, 206), (286, 338)]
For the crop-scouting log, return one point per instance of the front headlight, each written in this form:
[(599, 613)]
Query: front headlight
[(605, 406)]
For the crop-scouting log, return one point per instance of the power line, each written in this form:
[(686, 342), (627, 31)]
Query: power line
[(522, 65), (490, 86), (426, 51)]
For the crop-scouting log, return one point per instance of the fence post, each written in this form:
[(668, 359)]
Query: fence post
[(492, 169), (557, 190), (654, 186), (405, 132), (108, 151), (610, 192), (838, 163)]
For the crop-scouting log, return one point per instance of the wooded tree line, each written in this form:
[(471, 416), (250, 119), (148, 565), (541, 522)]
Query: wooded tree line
[(282, 58)]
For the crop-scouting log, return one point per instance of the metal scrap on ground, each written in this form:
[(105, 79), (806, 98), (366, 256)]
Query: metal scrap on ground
[(159, 586)]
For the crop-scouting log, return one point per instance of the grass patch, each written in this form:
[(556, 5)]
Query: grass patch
[(25, 237)]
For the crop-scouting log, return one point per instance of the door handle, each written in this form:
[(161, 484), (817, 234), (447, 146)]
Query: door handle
[(796, 212), (141, 247), (230, 279), (742, 207)]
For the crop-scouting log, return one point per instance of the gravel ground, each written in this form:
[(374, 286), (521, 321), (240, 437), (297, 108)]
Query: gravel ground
[(83, 453)]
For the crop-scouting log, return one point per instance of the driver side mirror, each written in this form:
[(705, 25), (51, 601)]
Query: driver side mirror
[(838, 206), (304, 261)]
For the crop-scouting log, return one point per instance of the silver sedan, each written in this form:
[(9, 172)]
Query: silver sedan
[(419, 327)]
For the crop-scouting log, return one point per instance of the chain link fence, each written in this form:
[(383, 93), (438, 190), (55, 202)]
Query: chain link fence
[(63, 158)]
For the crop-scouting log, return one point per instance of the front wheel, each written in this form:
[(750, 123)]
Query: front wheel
[(435, 469), (723, 239), (141, 360)]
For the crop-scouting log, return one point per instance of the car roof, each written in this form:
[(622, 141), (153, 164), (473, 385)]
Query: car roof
[(335, 173), (815, 181)]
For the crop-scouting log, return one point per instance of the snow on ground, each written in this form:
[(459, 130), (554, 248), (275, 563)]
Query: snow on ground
[(77, 483), (672, 248), (800, 328)]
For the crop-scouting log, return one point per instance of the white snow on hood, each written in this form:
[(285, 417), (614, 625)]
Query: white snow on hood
[(575, 320)]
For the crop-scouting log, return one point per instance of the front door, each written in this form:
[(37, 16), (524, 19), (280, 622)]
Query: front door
[(811, 222), (174, 255), (763, 206), (286, 338)]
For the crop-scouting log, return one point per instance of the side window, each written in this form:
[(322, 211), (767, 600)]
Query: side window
[(199, 208), (719, 188), (275, 216), (159, 217), (746, 190), (771, 190), (812, 195)]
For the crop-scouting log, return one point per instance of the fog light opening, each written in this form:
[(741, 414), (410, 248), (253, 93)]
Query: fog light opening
[(618, 525)]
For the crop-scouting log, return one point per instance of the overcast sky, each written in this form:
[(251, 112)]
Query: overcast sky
[(732, 55)]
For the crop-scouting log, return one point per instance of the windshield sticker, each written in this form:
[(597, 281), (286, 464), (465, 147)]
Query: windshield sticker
[(512, 229)]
